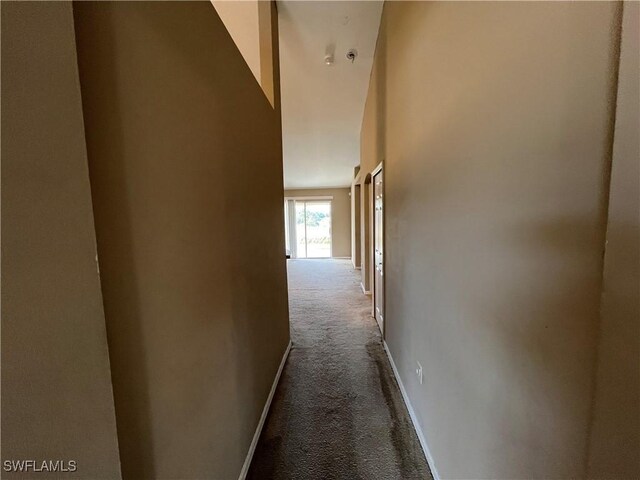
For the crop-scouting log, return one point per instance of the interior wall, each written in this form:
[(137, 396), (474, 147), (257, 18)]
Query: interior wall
[(241, 18), (249, 24), (366, 237), (372, 151), (496, 136), (355, 225), (57, 401), (266, 9), (340, 216), (615, 437), (185, 160)]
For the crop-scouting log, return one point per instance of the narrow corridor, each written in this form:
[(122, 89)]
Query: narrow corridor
[(338, 411)]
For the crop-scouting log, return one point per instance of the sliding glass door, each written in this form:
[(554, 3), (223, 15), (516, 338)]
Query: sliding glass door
[(313, 228)]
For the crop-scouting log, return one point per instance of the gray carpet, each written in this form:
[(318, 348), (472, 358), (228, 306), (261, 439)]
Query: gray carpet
[(338, 411)]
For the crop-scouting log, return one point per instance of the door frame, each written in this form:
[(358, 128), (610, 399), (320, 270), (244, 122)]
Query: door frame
[(312, 199), (372, 197)]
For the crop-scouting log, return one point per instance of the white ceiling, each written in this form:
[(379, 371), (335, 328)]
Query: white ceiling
[(322, 105)]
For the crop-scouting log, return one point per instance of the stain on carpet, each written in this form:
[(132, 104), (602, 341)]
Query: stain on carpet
[(337, 412)]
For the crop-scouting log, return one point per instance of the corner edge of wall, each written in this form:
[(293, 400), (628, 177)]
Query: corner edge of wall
[(263, 417), (412, 414)]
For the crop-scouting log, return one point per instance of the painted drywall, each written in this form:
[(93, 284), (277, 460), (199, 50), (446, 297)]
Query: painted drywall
[(340, 216), (615, 436), (241, 20), (366, 232), (249, 24), (372, 149), (355, 225), (495, 121), (185, 161), (267, 10), (57, 402)]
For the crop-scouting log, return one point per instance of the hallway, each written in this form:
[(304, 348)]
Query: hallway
[(172, 172), (337, 412)]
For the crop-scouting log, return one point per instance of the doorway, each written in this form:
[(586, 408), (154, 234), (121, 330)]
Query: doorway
[(378, 247), (313, 228), (365, 236), (355, 226)]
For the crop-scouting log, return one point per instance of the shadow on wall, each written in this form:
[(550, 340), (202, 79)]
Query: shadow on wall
[(372, 152), (495, 206), (115, 239), (184, 148), (379, 80), (366, 237), (615, 429)]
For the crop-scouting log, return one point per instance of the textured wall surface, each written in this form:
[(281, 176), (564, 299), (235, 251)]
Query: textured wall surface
[(57, 401), (185, 161), (494, 121)]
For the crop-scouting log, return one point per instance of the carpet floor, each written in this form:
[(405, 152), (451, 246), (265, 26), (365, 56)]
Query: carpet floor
[(337, 412)]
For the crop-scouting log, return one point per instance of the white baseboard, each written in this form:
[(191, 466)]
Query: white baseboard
[(412, 414), (363, 290), (263, 417)]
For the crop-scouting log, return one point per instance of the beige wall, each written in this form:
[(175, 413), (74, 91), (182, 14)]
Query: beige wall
[(356, 230), (494, 121), (241, 20), (615, 437), (372, 150), (57, 402), (340, 216), (183, 149), (267, 15), (249, 24)]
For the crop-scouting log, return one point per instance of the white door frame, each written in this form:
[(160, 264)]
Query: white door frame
[(382, 323), (292, 229)]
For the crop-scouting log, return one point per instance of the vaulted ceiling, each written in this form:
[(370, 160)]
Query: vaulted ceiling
[(322, 105)]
